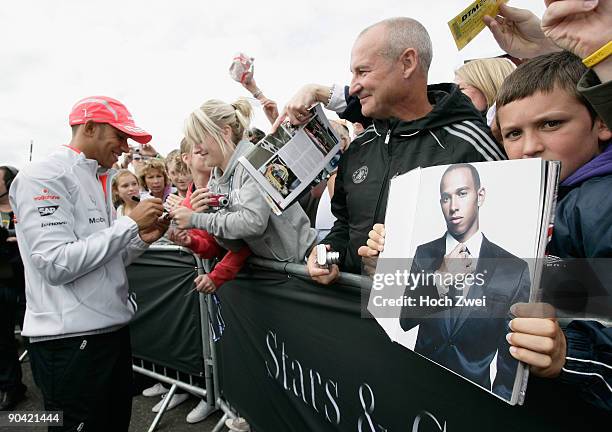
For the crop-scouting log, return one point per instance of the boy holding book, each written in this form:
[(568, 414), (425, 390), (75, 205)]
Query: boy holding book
[(541, 114)]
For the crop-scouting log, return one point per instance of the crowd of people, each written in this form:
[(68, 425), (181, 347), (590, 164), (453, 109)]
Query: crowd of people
[(78, 217)]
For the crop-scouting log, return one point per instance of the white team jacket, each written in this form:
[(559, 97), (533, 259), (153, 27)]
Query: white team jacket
[(73, 254)]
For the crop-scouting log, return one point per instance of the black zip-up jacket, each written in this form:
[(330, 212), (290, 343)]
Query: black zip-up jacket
[(453, 132)]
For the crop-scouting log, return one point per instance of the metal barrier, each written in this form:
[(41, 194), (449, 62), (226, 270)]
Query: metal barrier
[(211, 392), (290, 269), (160, 373)]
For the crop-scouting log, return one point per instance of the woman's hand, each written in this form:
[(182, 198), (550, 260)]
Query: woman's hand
[(200, 200)]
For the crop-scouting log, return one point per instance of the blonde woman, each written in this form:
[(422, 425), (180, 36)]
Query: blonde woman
[(217, 132), (481, 79)]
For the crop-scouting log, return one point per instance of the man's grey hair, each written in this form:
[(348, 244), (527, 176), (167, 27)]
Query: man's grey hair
[(404, 33)]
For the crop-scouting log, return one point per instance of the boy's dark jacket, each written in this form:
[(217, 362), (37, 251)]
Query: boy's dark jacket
[(583, 229), (453, 132)]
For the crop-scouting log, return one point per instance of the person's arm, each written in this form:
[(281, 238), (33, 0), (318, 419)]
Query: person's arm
[(229, 266), (334, 98), (134, 249), (203, 244), (588, 365), (56, 253)]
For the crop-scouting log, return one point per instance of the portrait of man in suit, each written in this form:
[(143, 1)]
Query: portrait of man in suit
[(467, 284)]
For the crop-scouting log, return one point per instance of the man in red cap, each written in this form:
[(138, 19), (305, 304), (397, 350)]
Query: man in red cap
[(74, 254)]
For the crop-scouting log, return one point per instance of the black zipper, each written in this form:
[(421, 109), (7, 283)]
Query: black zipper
[(386, 178)]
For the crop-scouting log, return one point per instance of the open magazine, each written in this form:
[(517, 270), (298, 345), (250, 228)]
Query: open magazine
[(464, 242), (284, 164)]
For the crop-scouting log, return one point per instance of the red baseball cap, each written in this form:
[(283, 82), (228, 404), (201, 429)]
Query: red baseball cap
[(102, 109)]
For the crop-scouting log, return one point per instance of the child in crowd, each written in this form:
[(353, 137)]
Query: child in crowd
[(154, 179), (541, 114), (124, 187), (217, 131), (179, 173)]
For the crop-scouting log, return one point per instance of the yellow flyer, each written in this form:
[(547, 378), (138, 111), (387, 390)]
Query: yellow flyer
[(469, 23)]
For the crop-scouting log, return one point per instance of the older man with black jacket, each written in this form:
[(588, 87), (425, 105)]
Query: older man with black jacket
[(414, 125)]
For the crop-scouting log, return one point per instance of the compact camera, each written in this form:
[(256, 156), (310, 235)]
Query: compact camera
[(218, 201), (326, 258)]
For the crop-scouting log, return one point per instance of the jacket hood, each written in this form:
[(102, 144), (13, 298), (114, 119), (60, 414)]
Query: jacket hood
[(450, 106), (596, 167), (241, 149)]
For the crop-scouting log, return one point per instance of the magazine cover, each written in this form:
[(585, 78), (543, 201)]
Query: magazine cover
[(286, 162), (460, 249)]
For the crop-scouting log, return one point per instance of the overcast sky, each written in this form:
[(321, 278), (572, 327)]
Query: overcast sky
[(163, 59)]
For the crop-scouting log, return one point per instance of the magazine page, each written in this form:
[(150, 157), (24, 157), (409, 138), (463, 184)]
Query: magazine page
[(286, 162), (463, 259), (400, 215)]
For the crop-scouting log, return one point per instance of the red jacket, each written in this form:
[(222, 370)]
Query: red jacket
[(205, 245)]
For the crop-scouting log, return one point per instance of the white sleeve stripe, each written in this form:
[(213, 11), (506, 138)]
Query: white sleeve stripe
[(589, 361), (471, 141), (589, 374), (486, 137), (478, 138), (365, 142)]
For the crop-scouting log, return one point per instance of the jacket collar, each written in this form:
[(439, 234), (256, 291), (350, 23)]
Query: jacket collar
[(450, 106)]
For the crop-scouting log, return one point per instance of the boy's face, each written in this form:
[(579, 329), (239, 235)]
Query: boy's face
[(552, 126)]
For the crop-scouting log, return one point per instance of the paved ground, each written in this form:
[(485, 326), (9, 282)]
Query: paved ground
[(173, 420)]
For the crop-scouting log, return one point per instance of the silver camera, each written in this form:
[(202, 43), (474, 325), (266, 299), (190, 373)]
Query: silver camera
[(326, 258)]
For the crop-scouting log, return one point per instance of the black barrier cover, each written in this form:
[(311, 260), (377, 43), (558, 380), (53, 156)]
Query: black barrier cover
[(166, 328), (297, 356)]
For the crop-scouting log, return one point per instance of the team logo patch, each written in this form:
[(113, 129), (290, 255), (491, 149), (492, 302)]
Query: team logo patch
[(360, 175), (46, 196), (47, 210), (43, 225)]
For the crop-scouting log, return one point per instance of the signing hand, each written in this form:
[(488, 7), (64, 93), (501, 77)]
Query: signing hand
[(147, 212), (537, 339), (182, 217), (324, 276), (155, 231)]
